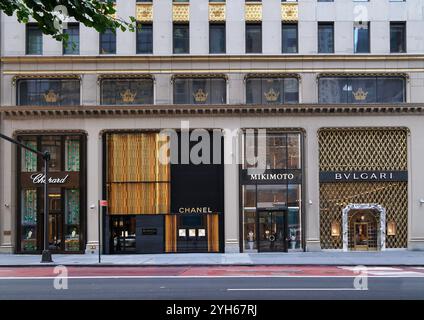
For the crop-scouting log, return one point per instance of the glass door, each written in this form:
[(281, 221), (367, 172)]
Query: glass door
[(272, 231)]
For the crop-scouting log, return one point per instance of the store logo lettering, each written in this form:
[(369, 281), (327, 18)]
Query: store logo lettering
[(364, 176), (272, 176), (39, 178), (195, 210)]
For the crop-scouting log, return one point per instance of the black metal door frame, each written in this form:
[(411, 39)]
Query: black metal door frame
[(285, 225)]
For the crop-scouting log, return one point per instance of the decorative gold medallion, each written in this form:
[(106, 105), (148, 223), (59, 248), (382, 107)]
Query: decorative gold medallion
[(51, 97), (144, 12), (181, 12), (360, 95), (216, 12), (200, 96), (128, 96), (289, 12), (272, 95)]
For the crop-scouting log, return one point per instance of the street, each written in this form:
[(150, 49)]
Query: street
[(212, 283)]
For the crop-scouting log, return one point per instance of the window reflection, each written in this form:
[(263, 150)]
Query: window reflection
[(126, 91), (272, 90), (200, 91)]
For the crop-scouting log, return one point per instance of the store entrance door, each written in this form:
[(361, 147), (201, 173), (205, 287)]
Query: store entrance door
[(273, 231), (192, 235)]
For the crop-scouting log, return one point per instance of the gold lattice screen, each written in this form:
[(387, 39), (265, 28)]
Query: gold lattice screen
[(138, 183), (363, 149)]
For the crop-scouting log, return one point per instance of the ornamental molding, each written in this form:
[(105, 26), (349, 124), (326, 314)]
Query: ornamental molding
[(45, 76), (217, 12), (381, 236), (289, 12), (144, 12), (181, 12), (253, 12)]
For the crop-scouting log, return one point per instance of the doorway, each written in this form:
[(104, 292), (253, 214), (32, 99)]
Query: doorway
[(272, 231), (363, 230), (192, 233)]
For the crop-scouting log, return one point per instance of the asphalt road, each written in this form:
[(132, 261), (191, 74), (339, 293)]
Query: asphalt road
[(214, 288)]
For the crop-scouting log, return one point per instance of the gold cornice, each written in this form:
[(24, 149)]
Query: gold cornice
[(199, 76), (45, 76), (217, 12), (289, 12), (173, 71), (273, 75), (42, 112), (253, 11), (205, 58), (124, 76), (144, 12), (363, 74), (181, 12)]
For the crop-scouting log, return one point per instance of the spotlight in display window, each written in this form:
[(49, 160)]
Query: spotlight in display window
[(335, 229), (391, 228)]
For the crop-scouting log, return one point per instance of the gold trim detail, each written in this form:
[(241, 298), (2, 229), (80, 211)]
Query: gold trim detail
[(144, 12), (45, 76), (289, 12), (360, 95), (51, 97), (272, 95), (199, 76), (272, 75), (128, 96), (217, 12), (200, 96), (181, 12), (364, 74), (125, 76), (253, 12)]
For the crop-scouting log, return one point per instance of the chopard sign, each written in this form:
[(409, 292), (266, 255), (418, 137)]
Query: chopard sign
[(365, 176), (38, 178)]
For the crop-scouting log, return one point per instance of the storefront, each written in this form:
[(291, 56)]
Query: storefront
[(363, 188), (67, 195), (157, 206), (271, 180)]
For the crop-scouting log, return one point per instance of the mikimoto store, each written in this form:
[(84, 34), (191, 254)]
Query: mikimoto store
[(157, 206)]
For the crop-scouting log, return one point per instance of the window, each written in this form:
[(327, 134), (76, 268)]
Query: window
[(108, 42), (126, 91), (144, 38), (362, 90), (34, 39), (181, 38), (72, 45), (217, 38), (253, 38), (397, 37), (200, 91), (48, 92), (361, 37), (272, 90), (289, 38), (325, 37)]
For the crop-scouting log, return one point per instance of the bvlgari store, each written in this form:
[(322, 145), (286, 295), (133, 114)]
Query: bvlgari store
[(271, 181), (165, 192)]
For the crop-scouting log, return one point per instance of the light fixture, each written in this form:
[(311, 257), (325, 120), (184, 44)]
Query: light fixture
[(335, 229), (391, 228)]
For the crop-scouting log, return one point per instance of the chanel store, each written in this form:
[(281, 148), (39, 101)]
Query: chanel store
[(67, 195), (271, 214), (160, 197)]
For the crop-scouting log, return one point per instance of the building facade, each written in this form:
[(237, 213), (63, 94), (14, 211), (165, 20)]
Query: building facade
[(285, 126)]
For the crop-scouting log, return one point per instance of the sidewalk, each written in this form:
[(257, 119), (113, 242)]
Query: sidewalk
[(387, 258)]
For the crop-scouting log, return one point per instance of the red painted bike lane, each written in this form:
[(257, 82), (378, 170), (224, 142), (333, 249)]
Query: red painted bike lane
[(204, 271)]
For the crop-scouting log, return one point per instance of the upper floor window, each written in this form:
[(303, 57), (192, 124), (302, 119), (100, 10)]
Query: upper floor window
[(117, 91), (72, 46), (48, 92), (397, 37), (361, 37), (289, 38), (362, 89), (200, 91), (325, 37), (34, 39), (272, 90), (217, 38), (181, 38), (144, 38), (107, 42), (253, 38)]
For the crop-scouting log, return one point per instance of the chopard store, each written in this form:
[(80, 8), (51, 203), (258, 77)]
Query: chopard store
[(363, 188), (67, 195), (165, 192), (271, 180)]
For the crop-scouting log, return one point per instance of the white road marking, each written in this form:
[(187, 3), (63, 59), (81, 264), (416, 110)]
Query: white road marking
[(296, 289)]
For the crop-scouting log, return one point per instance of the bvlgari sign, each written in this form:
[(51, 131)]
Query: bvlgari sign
[(363, 176), (271, 176), (59, 179)]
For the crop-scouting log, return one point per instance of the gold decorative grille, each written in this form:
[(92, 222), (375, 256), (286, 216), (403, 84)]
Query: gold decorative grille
[(217, 12), (289, 12), (361, 149), (253, 12), (144, 12), (181, 12)]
